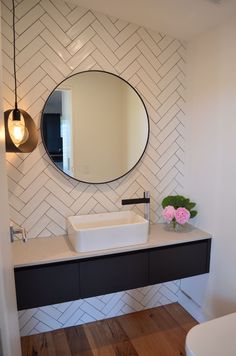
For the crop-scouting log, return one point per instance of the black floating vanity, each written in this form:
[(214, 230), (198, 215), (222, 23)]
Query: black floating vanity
[(69, 275)]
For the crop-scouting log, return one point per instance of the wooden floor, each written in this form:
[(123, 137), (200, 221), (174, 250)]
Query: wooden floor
[(159, 331)]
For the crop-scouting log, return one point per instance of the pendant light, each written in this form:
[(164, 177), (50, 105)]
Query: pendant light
[(20, 130)]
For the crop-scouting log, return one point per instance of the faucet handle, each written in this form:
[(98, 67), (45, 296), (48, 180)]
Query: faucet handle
[(24, 236), (15, 231), (146, 194)]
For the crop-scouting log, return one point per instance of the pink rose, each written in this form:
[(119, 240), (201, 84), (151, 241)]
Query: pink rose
[(169, 213), (182, 215)]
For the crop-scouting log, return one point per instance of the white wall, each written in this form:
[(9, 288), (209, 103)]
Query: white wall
[(210, 159)]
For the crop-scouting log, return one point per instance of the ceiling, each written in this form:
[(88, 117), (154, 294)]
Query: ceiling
[(181, 19)]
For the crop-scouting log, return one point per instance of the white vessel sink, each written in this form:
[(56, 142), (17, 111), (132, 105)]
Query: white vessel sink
[(106, 231)]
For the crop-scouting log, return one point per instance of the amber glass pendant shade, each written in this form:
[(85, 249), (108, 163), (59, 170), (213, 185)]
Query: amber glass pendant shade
[(21, 134), (17, 129)]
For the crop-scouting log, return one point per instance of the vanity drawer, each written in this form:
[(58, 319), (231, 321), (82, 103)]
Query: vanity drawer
[(179, 261), (71, 280), (46, 284), (114, 273)]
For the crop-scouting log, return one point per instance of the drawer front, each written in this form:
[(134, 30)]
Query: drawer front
[(179, 261), (112, 274), (46, 284)]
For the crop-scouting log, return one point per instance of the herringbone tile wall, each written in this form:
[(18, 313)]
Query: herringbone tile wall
[(33, 321), (54, 40)]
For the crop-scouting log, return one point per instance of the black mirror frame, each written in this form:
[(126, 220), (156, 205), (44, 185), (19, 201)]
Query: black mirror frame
[(44, 144)]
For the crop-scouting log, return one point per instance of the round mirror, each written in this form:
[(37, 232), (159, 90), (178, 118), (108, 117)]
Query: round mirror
[(95, 127)]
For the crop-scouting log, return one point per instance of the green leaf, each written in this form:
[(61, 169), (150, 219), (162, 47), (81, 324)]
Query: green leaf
[(165, 202), (174, 200), (193, 213), (190, 206)]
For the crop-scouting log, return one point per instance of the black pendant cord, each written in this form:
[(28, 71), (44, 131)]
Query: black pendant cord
[(14, 51), (20, 130)]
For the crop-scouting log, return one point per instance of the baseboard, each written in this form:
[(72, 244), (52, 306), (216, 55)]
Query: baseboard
[(192, 307)]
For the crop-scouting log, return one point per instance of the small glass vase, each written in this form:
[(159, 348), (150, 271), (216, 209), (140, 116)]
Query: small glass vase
[(174, 226)]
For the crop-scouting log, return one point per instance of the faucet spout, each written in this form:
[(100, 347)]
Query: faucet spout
[(147, 206), (145, 200)]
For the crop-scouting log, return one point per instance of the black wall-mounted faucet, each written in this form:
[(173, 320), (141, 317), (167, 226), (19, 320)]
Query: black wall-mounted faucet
[(145, 200)]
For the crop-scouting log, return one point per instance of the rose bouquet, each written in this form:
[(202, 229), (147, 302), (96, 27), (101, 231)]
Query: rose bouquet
[(178, 210)]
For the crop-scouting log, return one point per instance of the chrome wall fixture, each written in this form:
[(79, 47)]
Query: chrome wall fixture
[(20, 130)]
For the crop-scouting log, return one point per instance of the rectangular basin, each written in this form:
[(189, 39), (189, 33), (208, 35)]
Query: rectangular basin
[(105, 231)]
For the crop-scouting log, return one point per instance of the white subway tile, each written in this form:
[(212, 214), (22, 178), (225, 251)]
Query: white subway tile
[(57, 47), (55, 14), (151, 58), (38, 228), (36, 215), (127, 60), (105, 35), (80, 25), (167, 105), (52, 72), (167, 155), (102, 61), (170, 89), (107, 24), (30, 66), (147, 94), (29, 35), (81, 40), (55, 29), (30, 82), (58, 205), (126, 33), (34, 187), (59, 192), (148, 40), (57, 218), (170, 63), (81, 55), (37, 199), (25, 6), (76, 14), (120, 24), (105, 50), (145, 77), (28, 19), (62, 6), (147, 66), (55, 59), (169, 51)]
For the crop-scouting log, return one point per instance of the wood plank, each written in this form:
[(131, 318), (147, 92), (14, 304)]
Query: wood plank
[(78, 341), (40, 344), (61, 344), (27, 345), (170, 329), (108, 338), (183, 318), (146, 336), (158, 331)]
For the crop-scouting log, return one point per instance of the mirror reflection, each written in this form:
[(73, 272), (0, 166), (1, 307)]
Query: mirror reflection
[(95, 127)]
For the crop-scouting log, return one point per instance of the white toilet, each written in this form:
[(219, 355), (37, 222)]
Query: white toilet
[(216, 337)]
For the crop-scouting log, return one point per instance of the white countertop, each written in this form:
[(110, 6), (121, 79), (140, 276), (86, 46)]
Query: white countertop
[(43, 250)]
